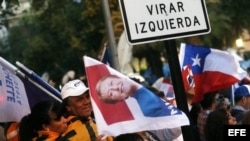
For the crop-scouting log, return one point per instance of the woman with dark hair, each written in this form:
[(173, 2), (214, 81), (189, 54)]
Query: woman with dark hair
[(214, 124), (44, 123)]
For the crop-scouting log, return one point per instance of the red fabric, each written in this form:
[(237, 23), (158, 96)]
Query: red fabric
[(212, 69), (214, 81), (94, 73)]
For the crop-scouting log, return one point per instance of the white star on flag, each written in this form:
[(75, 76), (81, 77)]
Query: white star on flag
[(196, 60)]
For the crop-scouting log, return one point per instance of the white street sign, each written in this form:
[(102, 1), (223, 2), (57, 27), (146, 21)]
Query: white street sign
[(156, 20)]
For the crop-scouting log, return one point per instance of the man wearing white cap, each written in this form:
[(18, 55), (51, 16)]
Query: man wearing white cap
[(77, 102)]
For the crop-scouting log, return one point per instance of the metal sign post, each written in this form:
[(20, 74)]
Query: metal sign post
[(181, 100), (157, 20)]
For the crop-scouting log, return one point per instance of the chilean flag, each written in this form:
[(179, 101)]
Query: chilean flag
[(165, 85), (129, 116), (168, 87), (211, 69)]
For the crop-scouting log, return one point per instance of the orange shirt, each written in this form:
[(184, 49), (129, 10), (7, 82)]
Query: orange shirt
[(52, 136), (81, 129), (12, 132), (48, 135)]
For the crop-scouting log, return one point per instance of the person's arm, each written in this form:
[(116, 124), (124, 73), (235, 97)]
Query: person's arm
[(103, 138)]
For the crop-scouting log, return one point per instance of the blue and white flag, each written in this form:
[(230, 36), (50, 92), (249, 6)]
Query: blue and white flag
[(36, 93), (39, 82), (13, 99), (19, 93)]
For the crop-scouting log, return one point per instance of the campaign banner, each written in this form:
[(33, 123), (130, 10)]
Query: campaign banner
[(13, 99), (122, 105)]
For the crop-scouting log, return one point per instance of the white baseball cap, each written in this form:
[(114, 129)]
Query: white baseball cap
[(73, 88)]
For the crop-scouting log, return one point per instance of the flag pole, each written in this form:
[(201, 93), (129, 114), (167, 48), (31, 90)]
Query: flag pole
[(8, 65), (32, 75), (111, 37), (16, 71), (176, 77), (43, 89), (11, 68)]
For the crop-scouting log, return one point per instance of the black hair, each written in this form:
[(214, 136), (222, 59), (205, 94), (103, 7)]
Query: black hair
[(129, 137), (237, 98), (65, 103), (209, 99), (156, 91), (215, 122), (40, 114)]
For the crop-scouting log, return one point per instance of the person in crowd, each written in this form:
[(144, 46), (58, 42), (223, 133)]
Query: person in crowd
[(158, 93), (45, 122), (129, 137), (208, 105), (194, 113), (148, 136), (215, 122), (222, 102), (2, 135), (12, 129), (242, 102), (168, 134), (246, 118), (112, 89), (76, 100), (194, 110)]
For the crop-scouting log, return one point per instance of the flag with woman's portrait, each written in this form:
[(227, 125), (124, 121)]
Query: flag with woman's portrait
[(129, 116)]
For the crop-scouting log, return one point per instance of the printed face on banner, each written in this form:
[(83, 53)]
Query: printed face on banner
[(113, 88), (120, 102)]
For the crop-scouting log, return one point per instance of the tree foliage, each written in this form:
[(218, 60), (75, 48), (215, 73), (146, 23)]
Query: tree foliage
[(228, 18), (54, 35), (57, 36)]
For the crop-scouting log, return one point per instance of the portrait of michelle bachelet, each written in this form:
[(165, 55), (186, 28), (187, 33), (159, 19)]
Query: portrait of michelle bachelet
[(119, 103)]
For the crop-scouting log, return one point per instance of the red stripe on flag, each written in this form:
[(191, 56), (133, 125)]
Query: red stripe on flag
[(212, 81)]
